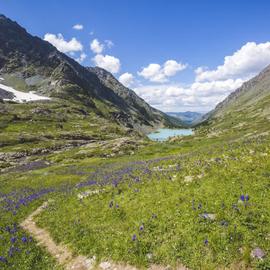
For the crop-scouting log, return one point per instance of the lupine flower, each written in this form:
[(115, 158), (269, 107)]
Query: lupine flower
[(24, 239), (134, 237), (247, 197), (206, 242), (13, 240), (141, 228), (3, 259), (11, 251), (242, 198)]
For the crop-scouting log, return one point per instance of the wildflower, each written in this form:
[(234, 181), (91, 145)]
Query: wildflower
[(242, 198), (111, 204), (247, 197), (134, 237), (117, 205), (13, 240), (11, 251), (141, 228), (206, 242), (24, 239), (3, 259)]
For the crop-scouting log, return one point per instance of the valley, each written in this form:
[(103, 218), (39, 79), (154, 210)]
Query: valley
[(82, 183)]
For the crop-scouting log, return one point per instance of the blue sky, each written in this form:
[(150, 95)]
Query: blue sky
[(176, 37)]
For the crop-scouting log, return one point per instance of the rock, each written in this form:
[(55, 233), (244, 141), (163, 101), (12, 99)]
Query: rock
[(88, 193), (257, 253), (188, 178), (105, 265), (208, 216)]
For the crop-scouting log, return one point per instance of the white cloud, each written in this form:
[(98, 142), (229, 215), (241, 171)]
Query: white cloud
[(157, 73), (62, 45), (153, 72), (244, 63), (127, 79), (199, 96), (78, 27), (171, 67), (210, 86), (108, 62), (109, 43), (81, 58), (96, 46)]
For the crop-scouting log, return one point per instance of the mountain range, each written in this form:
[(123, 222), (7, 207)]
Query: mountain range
[(187, 117), (30, 64)]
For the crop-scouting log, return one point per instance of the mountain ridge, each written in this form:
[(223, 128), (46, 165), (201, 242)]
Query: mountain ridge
[(29, 63), (246, 109)]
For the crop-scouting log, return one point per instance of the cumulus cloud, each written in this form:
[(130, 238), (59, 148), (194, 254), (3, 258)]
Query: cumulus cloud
[(244, 63), (78, 27), (62, 45), (127, 79), (108, 62), (81, 58), (96, 46), (171, 67), (198, 96), (210, 86), (157, 73)]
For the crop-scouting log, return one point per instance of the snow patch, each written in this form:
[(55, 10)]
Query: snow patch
[(22, 96)]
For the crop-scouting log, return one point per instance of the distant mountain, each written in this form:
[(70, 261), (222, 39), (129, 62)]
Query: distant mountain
[(186, 117), (28, 64), (246, 109)]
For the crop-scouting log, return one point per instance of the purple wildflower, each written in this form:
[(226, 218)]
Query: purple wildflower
[(141, 228), (24, 239), (134, 237), (242, 198), (3, 259), (247, 198), (13, 240), (206, 242)]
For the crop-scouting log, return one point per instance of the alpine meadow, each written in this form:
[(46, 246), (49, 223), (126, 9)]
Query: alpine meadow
[(134, 135)]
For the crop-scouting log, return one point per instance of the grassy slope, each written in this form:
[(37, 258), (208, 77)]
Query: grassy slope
[(223, 168), (148, 183)]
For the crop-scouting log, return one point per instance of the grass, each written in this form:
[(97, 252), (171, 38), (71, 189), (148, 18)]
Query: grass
[(170, 211), (177, 202)]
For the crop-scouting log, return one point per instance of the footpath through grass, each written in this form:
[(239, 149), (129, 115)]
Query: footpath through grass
[(169, 203)]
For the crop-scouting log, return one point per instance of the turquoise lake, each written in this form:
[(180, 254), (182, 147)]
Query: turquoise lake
[(163, 134)]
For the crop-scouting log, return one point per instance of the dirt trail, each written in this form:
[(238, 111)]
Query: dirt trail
[(63, 254), (60, 252)]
